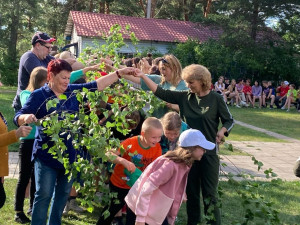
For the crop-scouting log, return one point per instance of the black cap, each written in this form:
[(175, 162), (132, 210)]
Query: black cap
[(40, 36)]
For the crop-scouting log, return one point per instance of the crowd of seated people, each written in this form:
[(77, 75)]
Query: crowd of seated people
[(241, 93)]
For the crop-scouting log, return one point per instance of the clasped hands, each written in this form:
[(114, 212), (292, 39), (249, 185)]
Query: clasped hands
[(131, 71)]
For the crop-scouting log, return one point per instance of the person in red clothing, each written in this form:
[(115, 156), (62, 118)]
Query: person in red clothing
[(138, 152), (247, 89), (282, 90)]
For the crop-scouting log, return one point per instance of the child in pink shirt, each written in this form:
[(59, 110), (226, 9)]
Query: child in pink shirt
[(159, 191)]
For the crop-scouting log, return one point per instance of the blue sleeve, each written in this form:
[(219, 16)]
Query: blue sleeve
[(155, 78), (91, 86), (32, 105)]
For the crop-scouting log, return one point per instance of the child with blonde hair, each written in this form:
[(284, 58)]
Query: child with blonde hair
[(158, 193), (139, 152)]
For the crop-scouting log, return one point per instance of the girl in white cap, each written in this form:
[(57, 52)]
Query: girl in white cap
[(155, 198)]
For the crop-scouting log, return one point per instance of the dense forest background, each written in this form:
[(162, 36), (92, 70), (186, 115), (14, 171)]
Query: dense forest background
[(247, 48)]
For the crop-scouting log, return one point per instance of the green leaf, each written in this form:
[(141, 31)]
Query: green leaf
[(62, 97)]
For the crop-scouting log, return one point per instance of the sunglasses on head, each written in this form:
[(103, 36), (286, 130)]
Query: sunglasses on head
[(163, 60)]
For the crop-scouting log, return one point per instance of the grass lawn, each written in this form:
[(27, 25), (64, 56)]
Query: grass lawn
[(279, 121), (284, 195)]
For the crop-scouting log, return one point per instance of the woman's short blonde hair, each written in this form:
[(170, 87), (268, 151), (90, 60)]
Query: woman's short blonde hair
[(173, 63), (197, 72)]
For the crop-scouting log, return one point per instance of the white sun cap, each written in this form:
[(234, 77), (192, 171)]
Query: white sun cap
[(193, 137)]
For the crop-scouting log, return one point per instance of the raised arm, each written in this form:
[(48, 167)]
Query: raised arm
[(134, 79), (107, 80), (151, 85)]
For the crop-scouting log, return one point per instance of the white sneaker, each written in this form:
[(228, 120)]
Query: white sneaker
[(75, 207), (247, 105), (242, 103), (282, 107), (237, 106), (288, 110)]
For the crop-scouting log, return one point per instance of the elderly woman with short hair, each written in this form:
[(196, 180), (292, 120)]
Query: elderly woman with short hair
[(51, 180), (201, 109)]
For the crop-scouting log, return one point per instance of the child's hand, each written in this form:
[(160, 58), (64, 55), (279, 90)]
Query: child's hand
[(129, 165)]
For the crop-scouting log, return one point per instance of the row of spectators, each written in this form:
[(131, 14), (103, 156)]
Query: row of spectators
[(241, 93)]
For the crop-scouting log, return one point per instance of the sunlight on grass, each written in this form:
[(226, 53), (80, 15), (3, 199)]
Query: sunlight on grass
[(278, 121), (240, 133)]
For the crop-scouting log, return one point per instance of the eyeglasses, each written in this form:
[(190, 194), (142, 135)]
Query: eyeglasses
[(49, 47)]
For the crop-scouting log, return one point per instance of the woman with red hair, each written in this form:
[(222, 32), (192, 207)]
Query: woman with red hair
[(51, 180)]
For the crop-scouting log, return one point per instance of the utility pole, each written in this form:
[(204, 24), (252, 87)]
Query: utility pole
[(148, 9)]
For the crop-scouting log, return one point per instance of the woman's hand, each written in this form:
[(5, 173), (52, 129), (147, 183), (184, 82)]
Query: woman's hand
[(29, 118), (174, 107), (109, 68), (127, 71), (139, 73), (23, 131), (220, 135)]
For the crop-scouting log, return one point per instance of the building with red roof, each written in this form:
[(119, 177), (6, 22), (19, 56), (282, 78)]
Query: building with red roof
[(85, 27)]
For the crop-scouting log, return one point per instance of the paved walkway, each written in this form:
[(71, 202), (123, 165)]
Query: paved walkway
[(281, 157)]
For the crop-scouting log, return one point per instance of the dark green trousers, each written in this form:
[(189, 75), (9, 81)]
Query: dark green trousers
[(203, 176)]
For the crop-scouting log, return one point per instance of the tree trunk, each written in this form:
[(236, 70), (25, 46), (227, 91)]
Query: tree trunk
[(91, 6), (185, 10), (254, 23), (102, 7), (107, 8), (12, 45), (207, 8), (74, 5), (143, 7), (153, 8)]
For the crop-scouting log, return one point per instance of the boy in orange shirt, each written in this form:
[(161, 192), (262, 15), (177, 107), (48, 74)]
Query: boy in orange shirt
[(139, 152)]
